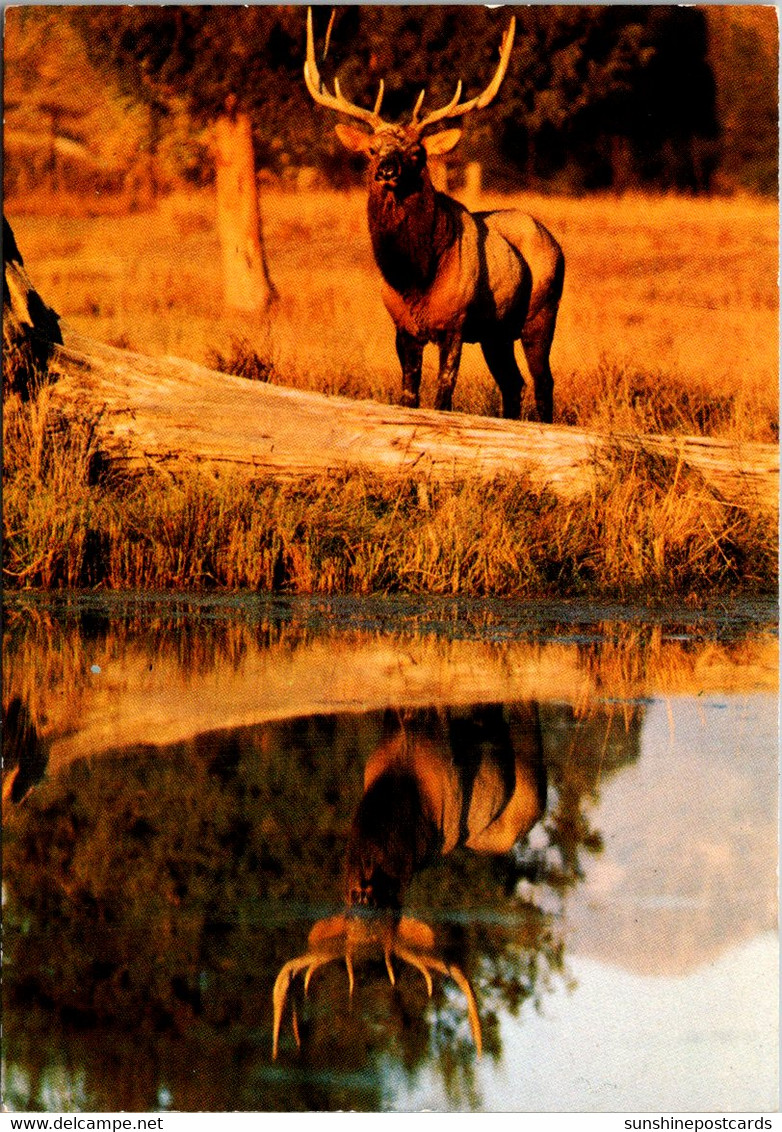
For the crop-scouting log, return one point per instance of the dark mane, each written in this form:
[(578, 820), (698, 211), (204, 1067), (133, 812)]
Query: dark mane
[(392, 836), (410, 234)]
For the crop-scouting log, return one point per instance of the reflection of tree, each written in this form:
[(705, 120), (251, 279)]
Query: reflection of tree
[(154, 896)]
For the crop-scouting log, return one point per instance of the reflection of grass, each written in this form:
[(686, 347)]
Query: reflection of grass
[(668, 321), (650, 527), (176, 668)]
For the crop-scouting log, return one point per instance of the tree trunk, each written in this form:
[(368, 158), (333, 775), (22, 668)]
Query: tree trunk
[(248, 288), (621, 164)]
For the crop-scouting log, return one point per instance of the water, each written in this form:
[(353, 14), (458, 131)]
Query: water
[(576, 810)]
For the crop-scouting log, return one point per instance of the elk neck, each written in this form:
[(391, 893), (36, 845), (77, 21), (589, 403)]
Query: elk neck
[(393, 835), (410, 233)]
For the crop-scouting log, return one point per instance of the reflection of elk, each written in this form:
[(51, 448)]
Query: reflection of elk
[(434, 783), (452, 276)]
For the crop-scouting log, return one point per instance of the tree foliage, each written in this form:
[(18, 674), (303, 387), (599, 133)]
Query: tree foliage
[(611, 96), (595, 97)]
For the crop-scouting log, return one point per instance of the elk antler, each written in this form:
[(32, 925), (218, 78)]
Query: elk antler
[(336, 101), (346, 936), (455, 109)]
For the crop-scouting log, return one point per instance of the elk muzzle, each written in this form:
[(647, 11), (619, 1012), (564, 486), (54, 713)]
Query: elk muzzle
[(389, 169)]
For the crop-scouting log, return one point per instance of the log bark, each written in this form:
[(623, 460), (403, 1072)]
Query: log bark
[(175, 414)]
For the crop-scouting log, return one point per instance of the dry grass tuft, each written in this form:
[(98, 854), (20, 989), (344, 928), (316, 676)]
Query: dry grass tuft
[(242, 360), (49, 505), (649, 528)]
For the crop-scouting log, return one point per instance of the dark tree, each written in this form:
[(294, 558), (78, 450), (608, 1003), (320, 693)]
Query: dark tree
[(611, 96), (606, 96)]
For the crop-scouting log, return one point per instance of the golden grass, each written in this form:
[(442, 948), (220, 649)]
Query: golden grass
[(648, 528), (669, 320)]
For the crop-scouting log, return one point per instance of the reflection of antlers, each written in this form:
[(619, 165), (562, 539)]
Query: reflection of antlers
[(351, 937)]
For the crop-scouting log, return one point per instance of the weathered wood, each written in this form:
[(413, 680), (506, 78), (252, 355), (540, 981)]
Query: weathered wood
[(172, 413)]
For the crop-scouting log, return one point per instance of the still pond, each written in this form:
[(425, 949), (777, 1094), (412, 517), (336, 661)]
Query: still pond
[(540, 843)]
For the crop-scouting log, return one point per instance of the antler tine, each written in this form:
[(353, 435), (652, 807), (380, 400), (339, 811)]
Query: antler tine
[(295, 1024), (455, 109), (335, 101), (411, 958), (349, 966), (311, 961), (417, 107), (425, 963), (389, 965), (463, 983), (329, 30), (379, 99)]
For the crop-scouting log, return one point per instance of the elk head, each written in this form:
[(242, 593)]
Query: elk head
[(394, 833), (378, 869), (397, 154), (356, 936)]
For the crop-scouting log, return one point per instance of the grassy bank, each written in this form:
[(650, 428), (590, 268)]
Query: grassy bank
[(648, 528)]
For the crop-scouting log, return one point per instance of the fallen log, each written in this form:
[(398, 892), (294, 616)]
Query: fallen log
[(166, 412)]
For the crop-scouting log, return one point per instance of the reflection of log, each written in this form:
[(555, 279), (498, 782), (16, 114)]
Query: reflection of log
[(136, 697), (171, 413)]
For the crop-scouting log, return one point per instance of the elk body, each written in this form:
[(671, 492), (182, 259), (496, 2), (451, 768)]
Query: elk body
[(450, 275), (432, 784)]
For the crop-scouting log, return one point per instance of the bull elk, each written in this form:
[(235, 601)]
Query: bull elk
[(449, 275), (433, 783)]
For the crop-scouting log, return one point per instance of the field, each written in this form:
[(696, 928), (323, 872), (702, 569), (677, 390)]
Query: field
[(669, 323)]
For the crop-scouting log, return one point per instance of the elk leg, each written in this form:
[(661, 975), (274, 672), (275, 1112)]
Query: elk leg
[(536, 338), (411, 355), (503, 367), (450, 356)]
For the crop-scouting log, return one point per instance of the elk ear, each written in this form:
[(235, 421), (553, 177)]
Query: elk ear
[(443, 142), (352, 138)]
